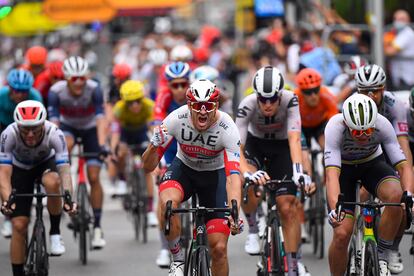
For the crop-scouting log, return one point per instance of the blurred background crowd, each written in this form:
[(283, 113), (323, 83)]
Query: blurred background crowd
[(234, 36)]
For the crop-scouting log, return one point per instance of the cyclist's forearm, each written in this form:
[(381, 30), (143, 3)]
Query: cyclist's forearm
[(101, 129), (295, 146), (66, 179), (234, 187), (5, 182), (332, 186), (150, 158), (306, 162), (115, 138)]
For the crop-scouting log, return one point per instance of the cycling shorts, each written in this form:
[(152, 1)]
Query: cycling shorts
[(209, 186), (272, 156), (23, 181), (371, 174), (314, 132), (89, 141)]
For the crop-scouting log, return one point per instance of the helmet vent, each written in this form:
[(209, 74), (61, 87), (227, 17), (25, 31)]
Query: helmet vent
[(361, 113), (351, 113)]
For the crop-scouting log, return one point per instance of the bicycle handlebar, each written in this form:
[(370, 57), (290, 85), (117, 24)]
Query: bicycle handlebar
[(169, 211)]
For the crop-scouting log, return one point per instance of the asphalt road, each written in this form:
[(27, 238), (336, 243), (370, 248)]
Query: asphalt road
[(123, 256)]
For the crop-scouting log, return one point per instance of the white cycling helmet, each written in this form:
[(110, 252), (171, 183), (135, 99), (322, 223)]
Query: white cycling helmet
[(370, 76), (204, 72), (267, 82), (29, 113), (158, 56), (75, 66), (203, 91), (181, 53), (360, 112)]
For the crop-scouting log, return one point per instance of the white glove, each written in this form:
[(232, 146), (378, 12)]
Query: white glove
[(254, 176), (159, 136), (332, 217), (298, 174)]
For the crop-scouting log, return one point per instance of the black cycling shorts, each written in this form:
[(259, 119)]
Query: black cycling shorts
[(314, 132), (89, 141), (23, 181), (371, 174), (272, 156), (209, 186)]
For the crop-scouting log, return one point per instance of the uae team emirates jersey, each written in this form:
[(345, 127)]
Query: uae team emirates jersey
[(212, 149)]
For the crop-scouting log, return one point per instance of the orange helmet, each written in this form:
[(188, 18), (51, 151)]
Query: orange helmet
[(122, 71), (308, 78), (36, 55)]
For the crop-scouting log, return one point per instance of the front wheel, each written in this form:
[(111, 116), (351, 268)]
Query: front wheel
[(371, 263), (203, 266), (83, 220)]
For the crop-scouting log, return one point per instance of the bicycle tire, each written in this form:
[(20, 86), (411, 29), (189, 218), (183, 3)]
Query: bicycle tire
[(41, 256), (371, 263), (203, 264), (320, 221), (143, 200), (277, 263), (351, 256), (83, 224)]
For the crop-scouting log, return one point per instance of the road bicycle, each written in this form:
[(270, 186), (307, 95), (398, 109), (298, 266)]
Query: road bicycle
[(273, 259), (37, 258), (362, 252), (198, 258), (315, 215)]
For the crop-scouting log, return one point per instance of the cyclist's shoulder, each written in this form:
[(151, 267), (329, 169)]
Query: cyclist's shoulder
[(147, 103), (4, 92), (92, 84), (249, 100), (59, 86), (9, 132), (35, 94)]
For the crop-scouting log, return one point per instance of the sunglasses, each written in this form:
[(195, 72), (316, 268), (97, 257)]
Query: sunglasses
[(20, 90), (26, 130), (358, 133), (74, 79), (129, 103), (264, 100), (198, 106), (374, 90), (311, 91), (177, 85)]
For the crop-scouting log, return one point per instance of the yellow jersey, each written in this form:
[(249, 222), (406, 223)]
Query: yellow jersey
[(130, 120)]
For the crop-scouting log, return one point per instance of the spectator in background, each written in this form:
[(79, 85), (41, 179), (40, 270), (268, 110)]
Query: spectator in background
[(400, 50)]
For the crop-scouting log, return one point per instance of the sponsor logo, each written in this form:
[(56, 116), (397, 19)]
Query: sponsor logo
[(167, 175), (182, 116), (403, 127), (242, 112), (199, 138), (223, 125)]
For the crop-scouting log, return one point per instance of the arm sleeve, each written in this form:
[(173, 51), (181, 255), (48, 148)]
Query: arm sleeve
[(390, 142), (58, 143), (7, 143), (333, 136), (232, 151), (293, 115), (244, 113), (98, 101), (53, 106)]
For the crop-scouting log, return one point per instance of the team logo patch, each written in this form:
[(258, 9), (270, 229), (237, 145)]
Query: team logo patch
[(403, 127)]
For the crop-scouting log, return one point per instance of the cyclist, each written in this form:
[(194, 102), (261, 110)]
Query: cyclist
[(48, 77), (209, 151), (76, 105), (270, 128), (132, 115), (353, 152), (316, 104), (33, 148), (370, 80), (170, 98), (19, 88), (36, 58)]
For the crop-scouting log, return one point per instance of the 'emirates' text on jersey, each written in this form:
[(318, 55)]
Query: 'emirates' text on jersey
[(213, 149)]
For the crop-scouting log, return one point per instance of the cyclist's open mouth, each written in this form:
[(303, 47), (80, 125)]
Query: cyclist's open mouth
[(202, 119)]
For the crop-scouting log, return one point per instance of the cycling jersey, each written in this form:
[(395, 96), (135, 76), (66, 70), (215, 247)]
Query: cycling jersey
[(213, 149), (340, 147), (7, 105), (394, 110), (77, 112), (287, 118), (315, 116), (164, 105), (130, 120), (43, 84), (13, 151)]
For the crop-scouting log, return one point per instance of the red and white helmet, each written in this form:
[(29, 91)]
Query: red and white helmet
[(30, 113), (203, 91)]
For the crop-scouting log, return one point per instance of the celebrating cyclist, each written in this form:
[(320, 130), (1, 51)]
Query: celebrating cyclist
[(370, 81), (270, 128), (316, 104), (353, 152), (132, 115), (33, 148), (208, 153), (76, 105)]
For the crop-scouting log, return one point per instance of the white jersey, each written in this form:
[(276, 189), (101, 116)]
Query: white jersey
[(212, 149), (13, 151), (287, 118), (394, 110)]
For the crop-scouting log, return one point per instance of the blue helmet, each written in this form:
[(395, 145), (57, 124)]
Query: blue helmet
[(20, 79), (177, 70)]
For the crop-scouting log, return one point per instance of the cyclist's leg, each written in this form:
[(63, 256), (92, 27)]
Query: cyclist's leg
[(22, 181), (70, 136), (381, 181), (51, 182), (211, 191), (175, 186), (338, 254), (90, 145)]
